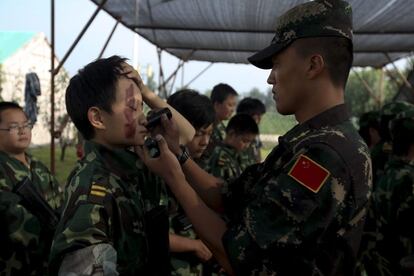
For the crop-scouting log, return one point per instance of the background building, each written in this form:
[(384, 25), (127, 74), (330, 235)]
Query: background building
[(28, 52)]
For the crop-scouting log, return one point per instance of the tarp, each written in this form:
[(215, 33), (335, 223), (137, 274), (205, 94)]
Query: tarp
[(232, 30)]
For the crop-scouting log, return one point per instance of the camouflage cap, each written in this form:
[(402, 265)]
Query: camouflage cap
[(393, 108), (369, 119), (320, 18), (404, 120), (388, 113)]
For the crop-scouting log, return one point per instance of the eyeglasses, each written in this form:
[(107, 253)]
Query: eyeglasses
[(14, 129)]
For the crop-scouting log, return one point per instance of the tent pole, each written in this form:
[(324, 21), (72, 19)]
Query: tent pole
[(52, 88), (172, 85), (109, 38), (381, 85), (161, 87), (393, 78), (367, 88), (199, 74), (180, 64), (406, 82), (98, 9), (182, 76)]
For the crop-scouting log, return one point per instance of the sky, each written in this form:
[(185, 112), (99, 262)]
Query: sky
[(72, 15)]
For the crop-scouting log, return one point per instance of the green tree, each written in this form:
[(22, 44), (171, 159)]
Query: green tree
[(361, 99), (265, 97)]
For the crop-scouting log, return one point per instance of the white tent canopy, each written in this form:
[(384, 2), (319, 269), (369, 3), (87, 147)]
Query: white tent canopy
[(232, 30)]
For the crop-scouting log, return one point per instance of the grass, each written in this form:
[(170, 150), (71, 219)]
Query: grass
[(274, 123), (62, 168)]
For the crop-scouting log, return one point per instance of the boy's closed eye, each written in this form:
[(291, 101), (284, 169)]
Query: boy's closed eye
[(132, 104)]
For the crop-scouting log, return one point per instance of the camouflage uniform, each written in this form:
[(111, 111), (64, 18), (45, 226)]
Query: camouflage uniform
[(105, 220), (219, 132), (24, 242), (225, 162), (284, 222), (217, 137), (251, 155), (381, 153), (394, 206), (182, 263)]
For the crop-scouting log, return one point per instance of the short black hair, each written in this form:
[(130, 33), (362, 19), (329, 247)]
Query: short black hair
[(242, 124), (251, 106), (9, 105), (402, 136), (369, 120), (196, 108), (94, 85), (221, 91), (337, 53)]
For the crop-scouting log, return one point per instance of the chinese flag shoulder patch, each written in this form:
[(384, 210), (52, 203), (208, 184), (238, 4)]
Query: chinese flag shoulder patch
[(309, 173)]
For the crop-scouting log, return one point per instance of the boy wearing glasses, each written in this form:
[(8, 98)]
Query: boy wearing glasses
[(25, 233)]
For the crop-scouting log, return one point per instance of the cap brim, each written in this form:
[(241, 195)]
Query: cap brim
[(263, 58)]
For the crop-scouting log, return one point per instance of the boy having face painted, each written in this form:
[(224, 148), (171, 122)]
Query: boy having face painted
[(112, 209)]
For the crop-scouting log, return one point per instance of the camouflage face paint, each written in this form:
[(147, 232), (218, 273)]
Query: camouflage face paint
[(130, 108)]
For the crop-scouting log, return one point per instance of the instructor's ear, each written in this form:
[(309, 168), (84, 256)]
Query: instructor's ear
[(315, 66)]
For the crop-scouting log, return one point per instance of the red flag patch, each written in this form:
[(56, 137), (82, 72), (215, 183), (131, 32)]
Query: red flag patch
[(309, 173)]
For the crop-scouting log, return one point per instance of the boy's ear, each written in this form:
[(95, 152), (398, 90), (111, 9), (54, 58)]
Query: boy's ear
[(316, 66), (95, 118)]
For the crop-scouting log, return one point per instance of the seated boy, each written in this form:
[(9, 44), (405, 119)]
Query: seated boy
[(224, 99), (25, 236), (187, 251), (225, 161), (255, 108), (113, 222)]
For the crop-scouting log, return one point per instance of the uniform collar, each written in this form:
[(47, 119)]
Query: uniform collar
[(230, 150), (122, 162), (5, 156), (330, 117)]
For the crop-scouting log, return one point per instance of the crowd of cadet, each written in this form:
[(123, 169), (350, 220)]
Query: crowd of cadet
[(191, 195)]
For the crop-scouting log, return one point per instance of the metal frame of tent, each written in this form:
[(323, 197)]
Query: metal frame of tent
[(192, 51)]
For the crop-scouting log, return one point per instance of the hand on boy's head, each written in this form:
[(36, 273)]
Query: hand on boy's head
[(133, 74)]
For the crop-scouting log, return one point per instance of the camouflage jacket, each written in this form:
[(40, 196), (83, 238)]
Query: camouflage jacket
[(107, 198), (219, 132), (24, 241), (393, 204), (301, 211), (225, 162), (380, 154), (251, 155), (186, 263), (217, 137)]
